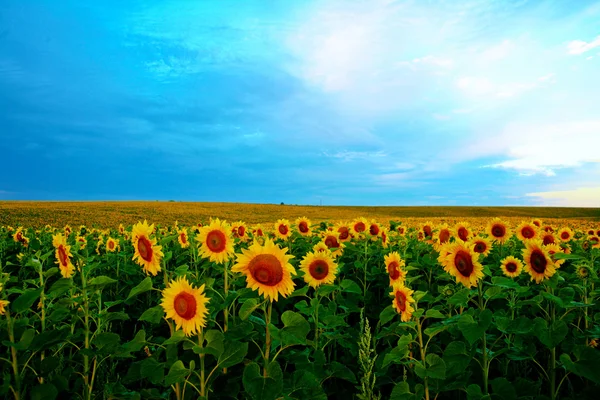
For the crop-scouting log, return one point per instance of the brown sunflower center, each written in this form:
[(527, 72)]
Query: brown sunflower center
[(548, 239), (331, 241), (266, 269), (303, 227), (318, 269), (538, 260), (19, 236), (527, 232), (111, 245), (393, 270), (594, 239), (216, 241), (537, 223), (401, 230), (463, 233), (401, 301), (565, 235), (185, 305), (359, 227), (480, 247), (145, 248), (463, 263), (62, 255), (241, 231), (511, 266), (344, 233), (283, 229), (444, 236), (498, 230), (374, 230), (183, 238), (427, 230)]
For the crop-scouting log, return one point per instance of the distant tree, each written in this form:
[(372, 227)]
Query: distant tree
[(281, 204)]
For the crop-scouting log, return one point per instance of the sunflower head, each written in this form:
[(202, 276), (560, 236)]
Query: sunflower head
[(344, 233), (583, 272), (527, 231), (462, 231), (441, 236), (267, 269), (498, 230), (538, 263), (548, 238), (319, 268), (63, 255), (333, 243), (401, 229), (481, 245), (359, 225), (111, 245), (215, 241), (394, 266), (537, 222), (185, 305), (374, 228), (553, 249), (565, 234), (511, 266), (402, 301), (427, 230), (303, 226), (147, 253), (462, 263)]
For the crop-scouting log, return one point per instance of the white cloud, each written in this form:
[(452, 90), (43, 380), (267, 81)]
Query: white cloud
[(355, 155), (580, 197), (580, 46)]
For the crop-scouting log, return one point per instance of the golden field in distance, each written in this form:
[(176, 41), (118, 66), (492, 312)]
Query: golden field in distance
[(111, 214)]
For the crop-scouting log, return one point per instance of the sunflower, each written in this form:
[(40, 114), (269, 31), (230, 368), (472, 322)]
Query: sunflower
[(548, 228), (67, 230), (537, 222), (240, 231), (538, 263), (374, 229), (215, 242), (481, 245), (511, 266), (185, 305), (565, 234), (321, 247), (427, 230), (462, 263), (282, 229), (552, 249), (402, 301), (82, 242), (385, 238), (319, 268), (257, 230), (497, 230), (393, 265), (594, 241), (267, 268), (527, 231), (441, 236), (147, 253), (343, 231), (359, 225), (182, 238), (18, 235), (331, 241), (401, 230), (111, 245), (583, 272), (3, 304), (461, 230), (303, 226), (63, 255), (121, 229), (548, 238)]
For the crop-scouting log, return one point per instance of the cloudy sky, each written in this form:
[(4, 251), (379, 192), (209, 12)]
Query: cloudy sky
[(342, 102)]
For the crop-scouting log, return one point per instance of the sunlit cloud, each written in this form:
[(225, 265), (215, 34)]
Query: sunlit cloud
[(579, 197)]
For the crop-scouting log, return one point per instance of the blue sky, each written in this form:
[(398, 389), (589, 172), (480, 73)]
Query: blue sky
[(341, 102)]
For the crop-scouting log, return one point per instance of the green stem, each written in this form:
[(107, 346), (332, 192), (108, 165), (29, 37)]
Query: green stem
[(226, 310), (553, 356), (268, 337), (202, 379), (422, 349), (316, 315), (13, 352), (484, 365), (86, 360)]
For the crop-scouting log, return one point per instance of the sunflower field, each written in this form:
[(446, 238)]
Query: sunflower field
[(474, 309)]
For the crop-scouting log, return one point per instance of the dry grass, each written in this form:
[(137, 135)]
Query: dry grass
[(110, 214)]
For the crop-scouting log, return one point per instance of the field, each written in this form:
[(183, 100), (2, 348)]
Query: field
[(408, 303)]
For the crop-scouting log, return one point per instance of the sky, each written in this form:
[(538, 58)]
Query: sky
[(430, 102)]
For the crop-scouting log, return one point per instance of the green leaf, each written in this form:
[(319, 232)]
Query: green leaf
[(177, 373), (260, 387), (339, 370), (153, 315), (233, 354), (300, 292), (144, 286), (26, 300), (248, 308), (60, 287), (25, 341), (152, 370), (552, 335), (387, 315), (324, 290), (503, 389), (49, 338), (586, 364), (295, 329), (504, 282), (474, 393), (305, 385), (456, 358), (434, 314), (434, 330), (436, 367), (402, 392), (472, 330), (100, 281), (107, 340), (492, 292), (460, 298), (398, 353), (214, 342), (59, 314), (45, 391), (349, 286)]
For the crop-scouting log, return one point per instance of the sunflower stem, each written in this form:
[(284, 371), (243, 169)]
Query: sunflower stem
[(202, 379), (422, 349), (317, 321), (268, 337), (86, 360), (13, 352), (484, 365), (226, 310), (552, 354)]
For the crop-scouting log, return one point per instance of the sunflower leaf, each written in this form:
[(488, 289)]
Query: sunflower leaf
[(295, 329), (261, 387), (387, 315), (472, 330), (177, 373), (153, 315), (26, 300), (552, 335), (248, 308), (144, 286)]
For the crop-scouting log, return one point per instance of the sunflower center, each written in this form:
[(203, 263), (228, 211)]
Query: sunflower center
[(511, 267), (111, 245), (444, 236), (344, 233), (548, 239), (241, 231), (401, 230), (62, 255), (498, 231), (480, 247), (216, 241), (283, 229), (538, 261), (331, 241), (303, 227), (266, 269), (393, 270), (527, 232), (463, 233), (145, 248), (319, 269), (185, 305), (564, 235), (19, 236), (183, 238), (359, 227), (401, 301), (374, 230), (463, 263), (427, 230)]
